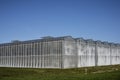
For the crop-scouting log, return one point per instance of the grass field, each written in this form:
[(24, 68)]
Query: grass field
[(89, 73)]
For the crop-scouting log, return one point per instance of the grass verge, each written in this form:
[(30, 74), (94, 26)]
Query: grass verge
[(87, 73)]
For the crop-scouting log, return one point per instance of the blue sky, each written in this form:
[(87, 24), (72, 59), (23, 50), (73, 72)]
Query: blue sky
[(32, 19)]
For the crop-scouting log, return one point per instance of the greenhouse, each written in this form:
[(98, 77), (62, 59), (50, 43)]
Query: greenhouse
[(58, 52)]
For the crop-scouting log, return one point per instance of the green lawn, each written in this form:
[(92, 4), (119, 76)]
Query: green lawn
[(89, 73)]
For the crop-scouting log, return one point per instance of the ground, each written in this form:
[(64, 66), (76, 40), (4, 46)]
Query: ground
[(87, 73)]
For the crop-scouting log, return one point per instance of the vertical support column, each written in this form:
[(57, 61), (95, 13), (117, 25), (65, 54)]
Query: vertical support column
[(24, 55), (39, 55), (5, 48), (36, 55), (19, 58), (0, 56), (10, 56), (56, 56), (27, 55), (61, 53), (110, 55), (16, 54), (96, 54), (30, 64), (41, 62), (24, 62), (4, 55), (20, 54), (76, 56), (46, 52), (33, 56), (42, 54)]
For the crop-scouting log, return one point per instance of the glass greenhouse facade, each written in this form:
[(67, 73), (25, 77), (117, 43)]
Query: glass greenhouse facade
[(58, 52)]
